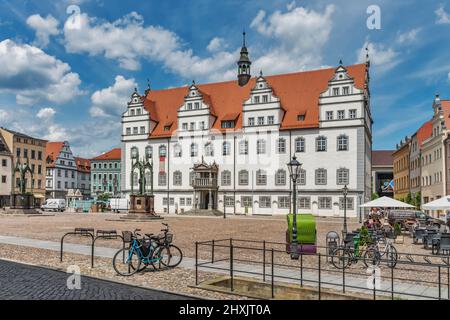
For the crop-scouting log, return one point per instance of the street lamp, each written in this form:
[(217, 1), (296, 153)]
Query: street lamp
[(224, 203), (360, 203), (345, 191), (294, 170)]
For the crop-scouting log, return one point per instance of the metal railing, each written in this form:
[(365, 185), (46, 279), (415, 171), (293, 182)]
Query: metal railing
[(410, 269), (205, 182)]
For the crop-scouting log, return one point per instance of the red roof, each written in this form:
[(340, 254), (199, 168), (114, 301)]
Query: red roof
[(298, 92), (424, 132), (382, 157), (83, 164), (114, 154), (53, 149)]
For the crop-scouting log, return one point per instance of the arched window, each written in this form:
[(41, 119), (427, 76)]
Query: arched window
[(300, 144), (243, 147), (226, 148), (209, 149), (342, 176), (261, 178), (177, 178), (177, 151), (162, 151), (149, 152), (280, 177), (194, 150), (162, 179), (342, 143), (243, 178), (226, 178), (261, 146), (321, 143), (281, 145)]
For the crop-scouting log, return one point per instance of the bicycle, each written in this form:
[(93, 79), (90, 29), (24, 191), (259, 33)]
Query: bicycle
[(141, 253), (345, 255), (167, 250), (375, 255)]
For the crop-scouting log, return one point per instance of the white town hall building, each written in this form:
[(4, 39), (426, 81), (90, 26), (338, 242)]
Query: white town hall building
[(225, 145)]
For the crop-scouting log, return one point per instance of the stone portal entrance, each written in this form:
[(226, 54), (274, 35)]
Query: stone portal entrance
[(204, 182)]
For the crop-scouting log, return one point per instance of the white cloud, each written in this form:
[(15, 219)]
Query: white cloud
[(408, 36), (442, 16), (111, 101), (34, 76), (299, 36), (46, 113), (44, 28), (216, 44), (381, 57), (448, 76)]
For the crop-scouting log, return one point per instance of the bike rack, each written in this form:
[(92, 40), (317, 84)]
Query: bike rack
[(408, 256), (427, 260), (80, 232), (108, 235)]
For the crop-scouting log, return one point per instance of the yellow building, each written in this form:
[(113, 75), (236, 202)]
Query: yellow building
[(25, 148), (401, 170)]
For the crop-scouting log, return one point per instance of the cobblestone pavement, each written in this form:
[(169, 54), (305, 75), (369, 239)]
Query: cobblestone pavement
[(24, 282)]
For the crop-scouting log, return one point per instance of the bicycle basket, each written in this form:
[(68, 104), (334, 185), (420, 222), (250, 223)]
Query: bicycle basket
[(169, 237), (127, 236)]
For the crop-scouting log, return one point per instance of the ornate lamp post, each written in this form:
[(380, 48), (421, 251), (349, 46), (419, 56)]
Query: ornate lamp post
[(345, 191), (294, 170), (224, 203), (360, 203)]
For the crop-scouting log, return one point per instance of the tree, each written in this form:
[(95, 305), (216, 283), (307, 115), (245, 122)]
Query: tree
[(409, 199), (375, 196), (418, 199)]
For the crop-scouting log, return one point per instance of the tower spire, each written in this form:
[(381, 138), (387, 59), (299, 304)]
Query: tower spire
[(244, 64)]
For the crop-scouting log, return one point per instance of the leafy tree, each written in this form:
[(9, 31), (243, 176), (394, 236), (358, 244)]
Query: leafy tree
[(409, 198), (418, 199), (375, 196)]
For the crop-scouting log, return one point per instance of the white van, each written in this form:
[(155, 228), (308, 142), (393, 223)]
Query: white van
[(54, 205), (119, 204)]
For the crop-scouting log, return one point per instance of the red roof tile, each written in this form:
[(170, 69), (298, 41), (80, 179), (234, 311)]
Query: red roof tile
[(299, 93), (424, 132), (114, 154), (83, 164), (52, 150)]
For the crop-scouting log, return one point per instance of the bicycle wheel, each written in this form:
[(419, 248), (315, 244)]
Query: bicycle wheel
[(371, 257), (340, 258), (128, 266), (170, 255), (392, 256)]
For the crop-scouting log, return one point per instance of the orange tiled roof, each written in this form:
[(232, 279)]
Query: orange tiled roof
[(299, 93), (83, 164), (52, 150), (114, 154), (424, 132)]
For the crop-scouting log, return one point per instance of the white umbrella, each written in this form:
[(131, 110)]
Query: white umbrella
[(386, 202), (438, 204)]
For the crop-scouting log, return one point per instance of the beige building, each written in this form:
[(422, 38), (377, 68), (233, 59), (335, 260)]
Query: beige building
[(401, 169), (25, 148), (434, 155), (5, 173)]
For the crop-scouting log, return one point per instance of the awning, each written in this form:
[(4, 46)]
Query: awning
[(386, 202), (438, 204)]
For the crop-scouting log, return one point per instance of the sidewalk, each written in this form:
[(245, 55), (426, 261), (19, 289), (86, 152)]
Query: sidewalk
[(401, 288)]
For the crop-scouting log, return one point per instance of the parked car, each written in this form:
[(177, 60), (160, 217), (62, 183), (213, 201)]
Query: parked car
[(405, 217), (54, 205), (118, 204)]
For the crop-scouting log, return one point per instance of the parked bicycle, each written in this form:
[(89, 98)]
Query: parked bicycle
[(350, 253), (375, 253), (147, 250)]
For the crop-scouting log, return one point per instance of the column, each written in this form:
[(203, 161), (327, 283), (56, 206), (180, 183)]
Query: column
[(210, 204)]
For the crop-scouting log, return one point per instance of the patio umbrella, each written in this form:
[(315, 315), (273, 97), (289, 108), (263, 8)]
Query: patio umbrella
[(439, 204), (386, 202)]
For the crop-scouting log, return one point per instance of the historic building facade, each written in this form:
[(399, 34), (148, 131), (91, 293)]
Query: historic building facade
[(32, 150), (382, 173), (106, 173), (225, 146), (83, 176), (6, 167), (61, 170), (401, 169)]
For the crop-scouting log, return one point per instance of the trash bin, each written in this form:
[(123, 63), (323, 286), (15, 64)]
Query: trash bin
[(332, 241), (356, 239)]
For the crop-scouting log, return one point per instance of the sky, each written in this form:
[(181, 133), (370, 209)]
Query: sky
[(68, 68)]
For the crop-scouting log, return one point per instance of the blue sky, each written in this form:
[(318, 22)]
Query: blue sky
[(68, 76)]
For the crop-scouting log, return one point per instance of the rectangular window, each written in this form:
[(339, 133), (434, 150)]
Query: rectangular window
[(202, 125), (184, 126), (197, 105), (270, 120), (128, 131), (335, 91), (182, 201), (283, 202), (188, 201), (261, 178), (265, 98), (349, 201), (192, 126), (264, 202), (172, 201), (33, 154), (301, 180), (260, 121), (142, 130), (342, 177), (256, 99), (281, 146), (243, 147), (341, 114), (304, 202), (229, 201), (18, 152), (352, 114), (189, 106), (25, 153), (251, 122), (246, 202), (345, 90), (301, 117), (227, 124), (321, 177), (164, 201), (3, 179), (135, 130), (3, 162), (329, 115), (324, 203)]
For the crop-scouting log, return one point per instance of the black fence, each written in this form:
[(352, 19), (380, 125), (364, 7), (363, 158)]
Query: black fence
[(414, 275)]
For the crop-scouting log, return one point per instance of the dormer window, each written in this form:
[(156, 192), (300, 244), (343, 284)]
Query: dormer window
[(167, 128), (227, 124), (301, 117)]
